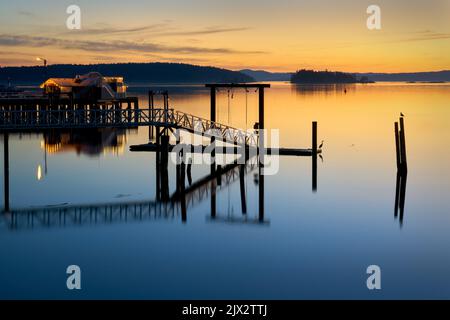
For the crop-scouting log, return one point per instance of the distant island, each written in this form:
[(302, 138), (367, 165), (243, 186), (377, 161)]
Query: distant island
[(431, 76), (325, 77), (133, 73)]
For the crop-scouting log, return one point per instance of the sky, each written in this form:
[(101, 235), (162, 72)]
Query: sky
[(282, 35)]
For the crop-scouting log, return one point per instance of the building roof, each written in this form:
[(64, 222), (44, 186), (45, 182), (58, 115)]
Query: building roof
[(87, 80)]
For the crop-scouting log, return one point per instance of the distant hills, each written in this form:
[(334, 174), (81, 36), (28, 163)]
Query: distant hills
[(261, 75), (132, 73), (135, 73)]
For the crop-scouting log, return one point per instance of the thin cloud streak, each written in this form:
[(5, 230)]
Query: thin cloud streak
[(114, 30), (108, 46), (204, 32), (157, 30)]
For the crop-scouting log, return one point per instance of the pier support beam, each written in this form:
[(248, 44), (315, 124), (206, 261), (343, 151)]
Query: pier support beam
[(314, 156), (158, 164), (213, 119), (6, 170), (261, 125), (242, 187), (164, 167), (182, 186), (261, 194), (404, 162), (151, 101)]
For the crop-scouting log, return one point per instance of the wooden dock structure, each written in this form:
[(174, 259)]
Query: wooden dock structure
[(36, 114)]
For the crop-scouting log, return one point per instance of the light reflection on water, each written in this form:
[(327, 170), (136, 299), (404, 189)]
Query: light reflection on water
[(316, 245)]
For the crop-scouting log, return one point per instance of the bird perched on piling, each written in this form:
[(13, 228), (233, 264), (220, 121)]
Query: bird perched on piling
[(321, 145), (401, 114)]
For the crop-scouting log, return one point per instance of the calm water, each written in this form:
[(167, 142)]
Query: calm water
[(312, 244)]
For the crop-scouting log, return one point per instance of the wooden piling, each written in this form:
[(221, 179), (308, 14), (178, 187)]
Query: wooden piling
[(183, 191), (261, 194), (213, 119), (314, 137), (219, 175), (6, 169), (403, 146), (314, 156), (151, 129), (213, 198), (261, 126), (164, 169), (189, 171), (242, 188), (397, 146), (158, 165)]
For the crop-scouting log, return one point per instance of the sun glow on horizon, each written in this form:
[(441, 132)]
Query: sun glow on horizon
[(281, 36)]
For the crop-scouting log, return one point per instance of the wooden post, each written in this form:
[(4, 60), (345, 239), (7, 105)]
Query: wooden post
[(178, 164), (242, 187), (189, 171), (402, 169), (261, 195), (403, 146), (261, 125), (314, 156), (213, 104), (151, 107), (182, 192), (158, 164), (397, 194), (314, 137), (213, 152), (213, 119), (402, 190), (219, 175), (397, 146), (164, 170), (213, 198), (6, 169)]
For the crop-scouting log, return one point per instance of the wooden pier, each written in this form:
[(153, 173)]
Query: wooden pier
[(37, 114)]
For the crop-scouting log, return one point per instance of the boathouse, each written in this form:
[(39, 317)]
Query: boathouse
[(92, 86)]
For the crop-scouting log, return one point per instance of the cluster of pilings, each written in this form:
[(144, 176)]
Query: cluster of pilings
[(29, 110), (402, 169), (62, 104)]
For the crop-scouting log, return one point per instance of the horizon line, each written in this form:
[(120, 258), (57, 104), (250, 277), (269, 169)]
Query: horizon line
[(218, 67)]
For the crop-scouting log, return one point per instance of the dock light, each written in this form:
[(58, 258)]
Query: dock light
[(43, 60), (39, 173)]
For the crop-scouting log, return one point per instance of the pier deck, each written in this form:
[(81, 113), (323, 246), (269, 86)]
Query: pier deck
[(13, 120)]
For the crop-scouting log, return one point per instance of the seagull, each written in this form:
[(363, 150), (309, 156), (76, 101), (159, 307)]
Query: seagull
[(321, 145), (321, 158), (401, 114)]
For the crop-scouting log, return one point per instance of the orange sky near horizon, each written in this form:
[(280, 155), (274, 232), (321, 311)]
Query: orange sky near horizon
[(283, 35)]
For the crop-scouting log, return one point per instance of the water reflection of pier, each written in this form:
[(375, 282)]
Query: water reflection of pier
[(29, 115), (175, 207)]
